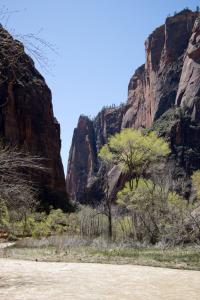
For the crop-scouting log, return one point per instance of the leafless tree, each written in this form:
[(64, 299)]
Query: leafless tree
[(33, 43), (17, 192), (13, 162)]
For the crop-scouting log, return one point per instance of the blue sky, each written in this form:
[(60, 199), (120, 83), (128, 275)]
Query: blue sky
[(100, 44)]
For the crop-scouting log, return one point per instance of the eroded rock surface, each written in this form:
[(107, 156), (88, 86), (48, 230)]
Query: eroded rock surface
[(27, 119), (169, 80)]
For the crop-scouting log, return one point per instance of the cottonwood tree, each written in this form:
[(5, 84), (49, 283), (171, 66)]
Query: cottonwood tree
[(134, 152)]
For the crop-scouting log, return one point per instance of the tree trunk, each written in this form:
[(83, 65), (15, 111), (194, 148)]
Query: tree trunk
[(110, 230)]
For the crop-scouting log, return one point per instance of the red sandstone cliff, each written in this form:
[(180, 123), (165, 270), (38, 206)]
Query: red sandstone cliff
[(170, 77), (27, 119), (153, 88)]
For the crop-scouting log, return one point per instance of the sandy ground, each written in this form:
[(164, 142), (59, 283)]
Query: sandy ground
[(25, 280), (5, 245)]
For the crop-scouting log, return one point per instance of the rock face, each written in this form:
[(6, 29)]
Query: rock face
[(83, 154), (188, 95), (27, 119), (153, 88), (169, 80), (83, 164)]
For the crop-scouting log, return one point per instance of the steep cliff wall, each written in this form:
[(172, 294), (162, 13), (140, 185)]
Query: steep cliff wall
[(27, 119), (82, 158), (152, 89), (170, 77), (83, 165)]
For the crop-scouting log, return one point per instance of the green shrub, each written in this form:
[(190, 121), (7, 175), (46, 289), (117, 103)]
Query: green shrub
[(164, 124)]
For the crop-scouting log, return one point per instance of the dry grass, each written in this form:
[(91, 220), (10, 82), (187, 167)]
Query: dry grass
[(76, 249)]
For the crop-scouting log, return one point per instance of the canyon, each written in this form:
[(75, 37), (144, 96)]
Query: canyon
[(163, 95)]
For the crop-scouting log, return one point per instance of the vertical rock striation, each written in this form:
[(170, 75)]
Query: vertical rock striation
[(27, 119), (82, 158), (152, 89), (169, 78)]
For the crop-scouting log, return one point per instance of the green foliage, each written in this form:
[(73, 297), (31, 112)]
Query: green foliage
[(196, 182), (133, 151), (146, 193), (164, 124), (55, 222), (157, 212), (85, 222), (105, 154), (40, 230), (123, 227), (4, 216), (147, 214), (131, 148), (37, 224)]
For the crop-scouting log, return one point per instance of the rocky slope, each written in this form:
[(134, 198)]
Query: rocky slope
[(27, 119), (163, 94)]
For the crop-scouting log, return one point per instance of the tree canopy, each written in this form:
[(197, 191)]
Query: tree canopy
[(133, 151)]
